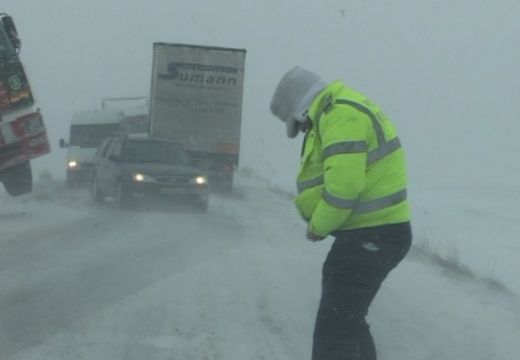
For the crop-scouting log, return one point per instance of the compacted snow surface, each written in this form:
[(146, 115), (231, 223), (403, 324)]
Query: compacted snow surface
[(79, 281)]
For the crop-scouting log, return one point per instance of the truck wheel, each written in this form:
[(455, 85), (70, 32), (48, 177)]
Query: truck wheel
[(202, 207), (18, 179), (95, 193), (225, 184)]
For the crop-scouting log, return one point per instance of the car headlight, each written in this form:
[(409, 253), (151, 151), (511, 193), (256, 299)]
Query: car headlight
[(200, 180), (72, 164), (140, 177)]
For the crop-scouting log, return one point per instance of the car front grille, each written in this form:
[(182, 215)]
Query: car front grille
[(173, 180)]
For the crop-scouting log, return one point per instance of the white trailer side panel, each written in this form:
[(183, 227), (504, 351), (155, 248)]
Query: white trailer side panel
[(196, 96)]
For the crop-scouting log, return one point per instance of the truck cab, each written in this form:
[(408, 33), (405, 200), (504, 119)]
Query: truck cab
[(87, 131)]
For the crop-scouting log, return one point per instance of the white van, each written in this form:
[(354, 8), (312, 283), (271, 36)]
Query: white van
[(87, 130)]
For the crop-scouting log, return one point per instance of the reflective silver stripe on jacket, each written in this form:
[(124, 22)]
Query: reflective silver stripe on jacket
[(380, 203), (383, 150), (337, 201), (383, 147), (361, 207), (375, 123), (351, 147), (345, 147), (302, 185)]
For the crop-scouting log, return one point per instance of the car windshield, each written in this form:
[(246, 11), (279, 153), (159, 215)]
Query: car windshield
[(90, 136), (154, 152)]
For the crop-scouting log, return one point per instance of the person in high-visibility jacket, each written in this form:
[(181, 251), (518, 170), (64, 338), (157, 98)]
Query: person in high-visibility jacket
[(351, 185)]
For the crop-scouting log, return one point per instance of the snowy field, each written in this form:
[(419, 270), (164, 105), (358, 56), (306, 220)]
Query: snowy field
[(80, 281), (473, 228)]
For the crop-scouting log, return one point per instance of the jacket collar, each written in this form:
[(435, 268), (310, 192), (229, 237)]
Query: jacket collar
[(318, 104)]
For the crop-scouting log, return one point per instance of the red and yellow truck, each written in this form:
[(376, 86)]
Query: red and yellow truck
[(22, 132)]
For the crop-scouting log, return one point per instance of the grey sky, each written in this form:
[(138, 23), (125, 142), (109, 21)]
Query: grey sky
[(445, 71)]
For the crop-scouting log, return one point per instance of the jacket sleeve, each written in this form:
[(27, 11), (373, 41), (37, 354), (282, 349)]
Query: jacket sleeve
[(344, 135)]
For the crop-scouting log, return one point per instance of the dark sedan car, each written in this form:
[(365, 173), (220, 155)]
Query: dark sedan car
[(135, 169)]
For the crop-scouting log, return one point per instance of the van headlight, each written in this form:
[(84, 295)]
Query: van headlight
[(72, 164), (200, 180), (142, 178)]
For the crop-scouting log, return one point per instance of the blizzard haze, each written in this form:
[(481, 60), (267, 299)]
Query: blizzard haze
[(444, 71), (241, 282)]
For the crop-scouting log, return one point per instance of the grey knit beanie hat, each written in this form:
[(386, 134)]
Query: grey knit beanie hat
[(293, 97)]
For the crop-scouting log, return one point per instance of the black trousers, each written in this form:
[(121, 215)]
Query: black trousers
[(358, 262)]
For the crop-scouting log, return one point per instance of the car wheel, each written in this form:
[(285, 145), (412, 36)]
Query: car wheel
[(71, 181), (223, 185), (95, 193), (121, 197)]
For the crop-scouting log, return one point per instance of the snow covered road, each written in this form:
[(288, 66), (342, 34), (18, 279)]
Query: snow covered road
[(84, 282)]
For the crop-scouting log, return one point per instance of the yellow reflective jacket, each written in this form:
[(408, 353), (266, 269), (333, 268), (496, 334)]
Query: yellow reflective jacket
[(352, 170)]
